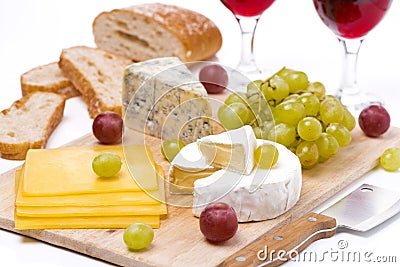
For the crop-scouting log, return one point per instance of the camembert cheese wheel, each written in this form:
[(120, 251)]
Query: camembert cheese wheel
[(233, 150), (263, 194), (188, 166)]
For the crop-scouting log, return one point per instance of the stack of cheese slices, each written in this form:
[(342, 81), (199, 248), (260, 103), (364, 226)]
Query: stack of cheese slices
[(64, 192), (221, 168)]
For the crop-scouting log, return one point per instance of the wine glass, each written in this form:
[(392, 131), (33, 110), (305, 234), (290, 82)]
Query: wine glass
[(247, 13), (351, 20)]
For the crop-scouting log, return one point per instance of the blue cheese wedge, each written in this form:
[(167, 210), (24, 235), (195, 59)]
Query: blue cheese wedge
[(277, 192), (232, 150), (188, 166), (162, 98)]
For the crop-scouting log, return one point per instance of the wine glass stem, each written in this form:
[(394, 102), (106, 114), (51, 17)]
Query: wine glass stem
[(349, 76), (247, 26)]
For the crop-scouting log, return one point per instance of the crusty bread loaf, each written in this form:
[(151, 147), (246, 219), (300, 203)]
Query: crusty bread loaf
[(97, 75), (155, 30), (47, 78), (28, 123)]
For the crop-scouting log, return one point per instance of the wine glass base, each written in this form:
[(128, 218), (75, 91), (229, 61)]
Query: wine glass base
[(251, 71), (357, 102)]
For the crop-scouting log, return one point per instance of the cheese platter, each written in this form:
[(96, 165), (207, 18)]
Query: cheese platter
[(96, 74), (180, 227)]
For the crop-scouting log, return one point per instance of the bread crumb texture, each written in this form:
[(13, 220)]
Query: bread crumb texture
[(29, 122)]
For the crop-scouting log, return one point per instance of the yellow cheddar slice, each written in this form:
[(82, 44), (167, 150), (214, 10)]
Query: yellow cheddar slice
[(81, 209), (66, 171), (90, 200), (24, 223), (91, 211), (81, 216)]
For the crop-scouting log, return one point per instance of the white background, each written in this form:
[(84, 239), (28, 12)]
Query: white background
[(290, 33)]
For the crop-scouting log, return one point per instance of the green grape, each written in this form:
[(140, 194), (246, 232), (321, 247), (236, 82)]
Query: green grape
[(258, 132), (252, 120), (308, 154), (138, 236), (341, 133), (390, 159), (309, 129), (267, 126), (297, 81), (282, 133), (310, 102), (106, 164), (252, 91), (254, 85), (289, 112), (266, 156), (284, 72), (331, 110), (234, 115), (316, 88), (348, 120), (236, 97), (275, 89), (294, 145), (260, 108), (291, 98), (170, 148), (327, 146)]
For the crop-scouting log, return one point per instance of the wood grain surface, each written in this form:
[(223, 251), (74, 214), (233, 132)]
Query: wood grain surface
[(179, 241)]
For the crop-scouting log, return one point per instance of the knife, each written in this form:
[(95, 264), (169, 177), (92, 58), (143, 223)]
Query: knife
[(361, 210)]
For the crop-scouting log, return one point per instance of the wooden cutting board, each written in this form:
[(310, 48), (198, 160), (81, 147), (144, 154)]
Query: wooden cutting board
[(179, 241)]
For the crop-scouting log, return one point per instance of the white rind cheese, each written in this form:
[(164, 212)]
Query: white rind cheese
[(187, 166), (232, 150), (276, 191), (161, 97)]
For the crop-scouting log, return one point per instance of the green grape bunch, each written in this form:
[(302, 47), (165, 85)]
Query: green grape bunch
[(289, 109)]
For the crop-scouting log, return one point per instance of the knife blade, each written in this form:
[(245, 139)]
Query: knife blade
[(361, 210)]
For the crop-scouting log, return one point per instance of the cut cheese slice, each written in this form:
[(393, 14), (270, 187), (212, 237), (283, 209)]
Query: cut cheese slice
[(80, 216), (188, 166), (66, 171), (278, 189), (59, 208), (233, 150), (90, 200), (24, 223), (77, 211)]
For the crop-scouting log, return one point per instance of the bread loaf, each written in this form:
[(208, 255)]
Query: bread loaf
[(47, 78), (28, 123), (97, 75), (146, 31)]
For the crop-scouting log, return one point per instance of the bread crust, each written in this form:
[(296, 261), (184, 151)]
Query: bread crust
[(17, 151), (82, 81), (59, 85), (199, 36)]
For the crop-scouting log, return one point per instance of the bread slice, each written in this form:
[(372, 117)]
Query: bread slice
[(147, 31), (47, 78), (28, 123), (97, 75)]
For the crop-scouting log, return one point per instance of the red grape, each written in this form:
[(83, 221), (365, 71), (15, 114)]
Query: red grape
[(374, 120), (218, 222), (214, 78), (107, 127)]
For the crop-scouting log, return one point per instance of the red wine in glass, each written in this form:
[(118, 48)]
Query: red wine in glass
[(349, 18), (247, 13), (247, 8), (351, 21)]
